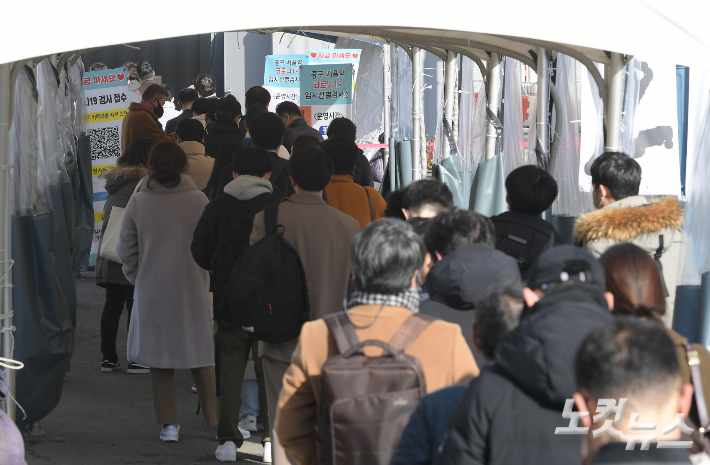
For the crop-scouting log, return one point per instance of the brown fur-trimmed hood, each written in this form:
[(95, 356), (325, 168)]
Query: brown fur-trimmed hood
[(623, 223), (128, 172)]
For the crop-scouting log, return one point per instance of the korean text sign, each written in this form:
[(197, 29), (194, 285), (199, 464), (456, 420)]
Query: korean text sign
[(336, 55), (327, 89), (106, 101), (281, 78)]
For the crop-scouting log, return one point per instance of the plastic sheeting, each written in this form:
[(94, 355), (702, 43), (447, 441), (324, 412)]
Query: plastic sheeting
[(472, 119), (514, 154), (401, 103), (76, 90), (632, 91), (488, 190), (49, 124), (570, 201)]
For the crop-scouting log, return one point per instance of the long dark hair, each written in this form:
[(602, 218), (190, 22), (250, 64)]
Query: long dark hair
[(137, 152), (634, 279), (166, 163)]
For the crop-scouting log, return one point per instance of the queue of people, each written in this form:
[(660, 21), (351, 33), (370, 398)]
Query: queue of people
[(419, 333)]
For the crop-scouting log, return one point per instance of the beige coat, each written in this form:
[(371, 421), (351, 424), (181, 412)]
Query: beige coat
[(641, 223), (441, 349), (321, 235), (200, 166)]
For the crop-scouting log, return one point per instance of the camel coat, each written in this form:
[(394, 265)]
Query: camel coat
[(199, 165), (171, 322), (441, 349), (141, 122), (343, 194)]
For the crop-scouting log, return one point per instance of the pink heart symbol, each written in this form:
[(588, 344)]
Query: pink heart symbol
[(314, 54), (355, 55), (120, 76)]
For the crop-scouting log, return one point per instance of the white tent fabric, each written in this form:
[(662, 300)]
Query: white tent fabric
[(637, 27)]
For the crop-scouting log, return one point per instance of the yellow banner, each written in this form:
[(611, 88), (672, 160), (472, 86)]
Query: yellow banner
[(98, 217), (97, 171), (103, 116)]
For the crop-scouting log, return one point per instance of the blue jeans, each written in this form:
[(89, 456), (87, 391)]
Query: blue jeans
[(250, 398)]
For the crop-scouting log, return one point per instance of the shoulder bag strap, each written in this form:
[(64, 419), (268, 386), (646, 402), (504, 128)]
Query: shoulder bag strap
[(369, 202), (138, 186), (410, 331), (342, 331), (657, 259), (270, 215), (694, 364)]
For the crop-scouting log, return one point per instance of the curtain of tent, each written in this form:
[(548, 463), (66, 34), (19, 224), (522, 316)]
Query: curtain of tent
[(631, 100), (513, 144), (570, 201), (401, 104), (472, 119)]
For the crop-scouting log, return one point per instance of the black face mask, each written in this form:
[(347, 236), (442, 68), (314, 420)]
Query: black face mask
[(158, 111)]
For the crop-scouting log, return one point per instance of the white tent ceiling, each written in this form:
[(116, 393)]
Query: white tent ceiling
[(36, 28)]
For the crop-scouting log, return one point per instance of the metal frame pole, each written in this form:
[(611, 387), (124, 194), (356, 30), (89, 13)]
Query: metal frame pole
[(493, 88), (6, 96), (417, 54), (615, 82), (449, 87), (387, 97), (543, 99)]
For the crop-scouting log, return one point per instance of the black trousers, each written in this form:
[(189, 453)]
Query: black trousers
[(117, 295)]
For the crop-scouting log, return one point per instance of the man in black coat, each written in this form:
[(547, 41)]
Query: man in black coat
[(521, 232), (291, 116), (224, 130), (362, 174), (510, 412), (186, 97), (465, 267), (221, 236)]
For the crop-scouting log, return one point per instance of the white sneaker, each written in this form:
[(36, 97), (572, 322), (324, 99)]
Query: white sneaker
[(170, 433), (245, 434), (267, 453), (227, 452), (248, 423)]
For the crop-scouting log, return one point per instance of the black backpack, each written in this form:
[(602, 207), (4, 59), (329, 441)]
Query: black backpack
[(268, 294)]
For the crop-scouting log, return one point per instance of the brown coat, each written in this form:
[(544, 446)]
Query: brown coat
[(350, 198), (141, 122), (441, 349), (321, 235)]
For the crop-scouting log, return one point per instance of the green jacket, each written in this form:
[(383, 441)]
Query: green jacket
[(120, 184)]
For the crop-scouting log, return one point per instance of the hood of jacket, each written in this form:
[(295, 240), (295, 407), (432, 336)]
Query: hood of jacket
[(628, 218), (462, 277), (247, 187), (121, 175), (192, 148), (539, 354)]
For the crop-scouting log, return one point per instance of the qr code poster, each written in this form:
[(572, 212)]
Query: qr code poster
[(106, 94)]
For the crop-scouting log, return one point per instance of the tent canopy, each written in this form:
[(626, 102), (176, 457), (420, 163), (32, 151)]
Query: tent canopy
[(36, 28)]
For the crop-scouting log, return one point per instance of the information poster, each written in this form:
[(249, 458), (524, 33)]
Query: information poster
[(281, 78), (106, 105), (336, 55), (327, 90)]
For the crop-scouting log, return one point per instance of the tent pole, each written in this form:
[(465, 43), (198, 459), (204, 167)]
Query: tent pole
[(416, 111), (387, 94), (422, 125), (7, 337), (457, 99), (543, 99), (493, 88), (449, 84), (616, 96)]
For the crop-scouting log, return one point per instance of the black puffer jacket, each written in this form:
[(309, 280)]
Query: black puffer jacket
[(220, 132), (510, 412), (460, 279), (524, 237)]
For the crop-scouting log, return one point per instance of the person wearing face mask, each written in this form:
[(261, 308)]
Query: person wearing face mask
[(625, 216), (142, 118)]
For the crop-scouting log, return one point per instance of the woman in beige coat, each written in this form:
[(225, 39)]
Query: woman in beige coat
[(191, 135)]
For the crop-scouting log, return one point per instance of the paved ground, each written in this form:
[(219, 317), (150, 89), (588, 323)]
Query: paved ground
[(107, 418)]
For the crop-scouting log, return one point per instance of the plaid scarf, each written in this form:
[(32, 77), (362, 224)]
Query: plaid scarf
[(407, 299)]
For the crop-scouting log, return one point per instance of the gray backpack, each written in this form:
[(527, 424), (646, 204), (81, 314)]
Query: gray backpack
[(365, 401)]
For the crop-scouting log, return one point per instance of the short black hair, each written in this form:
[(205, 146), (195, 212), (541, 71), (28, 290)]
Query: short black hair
[(394, 204), (419, 224), (311, 169), (452, 229), (251, 161), (190, 130), (342, 127), (266, 131), (228, 109), (530, 189), (205, 85), (288, 107), (199, 106), (618, 172), (211, 108), (144, 70), (98, 66), (497, 314), (169, 89), (137, 152), (257, 94), (427, 192), (343, 151), (627, 356)]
